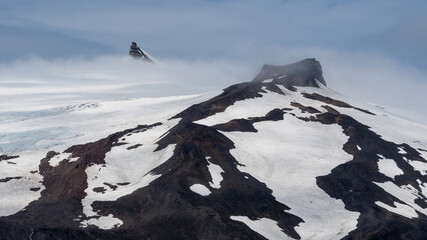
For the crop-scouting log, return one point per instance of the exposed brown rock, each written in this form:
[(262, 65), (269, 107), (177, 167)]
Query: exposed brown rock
[(134, 146), (328, 100), (113, 187), (7, 157), (99, 189), (3, 180), (304, 108), (35, 189)]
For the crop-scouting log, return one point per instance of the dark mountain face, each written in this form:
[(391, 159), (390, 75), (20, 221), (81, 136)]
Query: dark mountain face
[(302, 73), (184, 203)]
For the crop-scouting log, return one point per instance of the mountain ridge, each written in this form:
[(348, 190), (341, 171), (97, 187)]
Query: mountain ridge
[(208, 172)]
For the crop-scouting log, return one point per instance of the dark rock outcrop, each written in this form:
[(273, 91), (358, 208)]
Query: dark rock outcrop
[(302, 73), (137, 52)]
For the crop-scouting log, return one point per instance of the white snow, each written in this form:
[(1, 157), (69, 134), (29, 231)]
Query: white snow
[(287, 147), (123, 165), (200, 189), (400, 209), (288, 155), (389, 168), (15, 194), (215, 171), (103, 222), (407, 194), (401, 150), (31, 134), (264, 226), (419, 166), (391, 124), (259, 107), (58, 158), (423, 187), (358, 148)]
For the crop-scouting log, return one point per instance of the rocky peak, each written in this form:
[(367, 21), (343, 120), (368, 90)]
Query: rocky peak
[(302, 73), (137, 52)]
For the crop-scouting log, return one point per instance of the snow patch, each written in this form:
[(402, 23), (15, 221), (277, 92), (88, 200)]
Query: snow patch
[(406, 194), (389, 168), (103, 222), (419, 166), (122, 165), (200, 189), (54, 162), (215, 171), (401, 209), (264, 226), (401, 150)]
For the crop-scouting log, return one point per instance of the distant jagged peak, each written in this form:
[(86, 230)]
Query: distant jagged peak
[(137, 53), (302, 73)]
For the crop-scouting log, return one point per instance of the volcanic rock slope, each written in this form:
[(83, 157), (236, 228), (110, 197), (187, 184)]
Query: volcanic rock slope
[(281, 157)]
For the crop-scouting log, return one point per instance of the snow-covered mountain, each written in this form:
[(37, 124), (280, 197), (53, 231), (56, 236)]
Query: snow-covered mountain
[(280, 157)]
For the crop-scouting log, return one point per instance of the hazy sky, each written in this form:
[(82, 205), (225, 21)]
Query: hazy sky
[(386, 40), (213, 29)]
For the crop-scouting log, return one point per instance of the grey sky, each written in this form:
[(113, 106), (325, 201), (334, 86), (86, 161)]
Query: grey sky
[(214, 29), (387, 39)]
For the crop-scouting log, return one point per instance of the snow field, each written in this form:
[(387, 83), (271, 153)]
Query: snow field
[(31, 134), (259, 107), (287, 147), (16, 194), (126, 166), (391, 124)]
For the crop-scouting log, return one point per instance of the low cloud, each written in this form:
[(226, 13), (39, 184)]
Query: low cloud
[(38, 83)]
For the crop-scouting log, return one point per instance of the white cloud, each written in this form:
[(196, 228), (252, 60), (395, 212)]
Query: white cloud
[(42, 83)]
